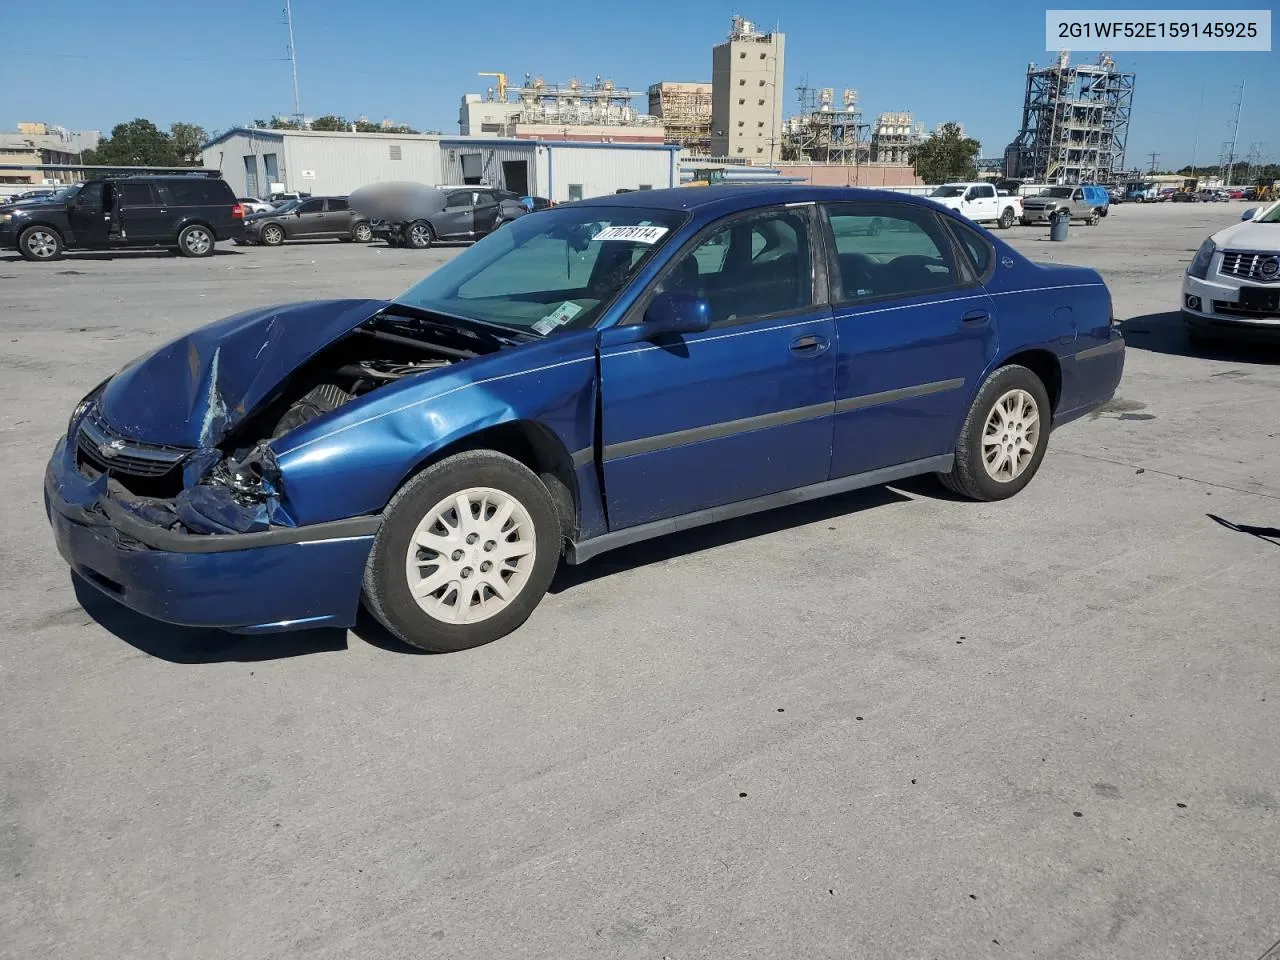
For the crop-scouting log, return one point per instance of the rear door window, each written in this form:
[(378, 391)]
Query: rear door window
[(338, 204), (198, 192), (134, 194), (888, 250)]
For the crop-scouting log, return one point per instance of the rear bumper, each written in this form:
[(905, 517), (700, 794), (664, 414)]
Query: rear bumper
[(293, 578)]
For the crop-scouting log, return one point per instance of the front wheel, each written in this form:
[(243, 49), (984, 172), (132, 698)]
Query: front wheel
[(272, 235), (196, 241), (40, 244), (1003, 438), (466, 551), (419, 235), (362, 233)]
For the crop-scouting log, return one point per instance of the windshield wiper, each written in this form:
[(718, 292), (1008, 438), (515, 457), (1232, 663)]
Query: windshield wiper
[(495, 331)]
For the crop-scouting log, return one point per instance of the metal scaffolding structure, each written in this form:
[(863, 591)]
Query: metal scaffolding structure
[(685, 112), (577, 103), (1075, 123), (825, 133), (894, 136)]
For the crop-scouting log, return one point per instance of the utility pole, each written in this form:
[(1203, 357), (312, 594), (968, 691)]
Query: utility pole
[(1235, 133), (1195, 146), (1154, 157), (293, 62)]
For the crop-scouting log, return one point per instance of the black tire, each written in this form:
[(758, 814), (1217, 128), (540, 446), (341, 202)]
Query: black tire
[(40, 244), (362, 232), (1006, 219), (386, 585), (272, 235), (393, 241), (969, 476), (196, 240), (419, 235)]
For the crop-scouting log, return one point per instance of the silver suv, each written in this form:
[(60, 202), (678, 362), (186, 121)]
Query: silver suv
[(1081, 202)]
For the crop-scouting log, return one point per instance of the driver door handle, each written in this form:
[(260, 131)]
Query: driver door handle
[(809, 345), (976, 317)]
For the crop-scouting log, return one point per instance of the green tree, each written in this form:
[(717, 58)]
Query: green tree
[(330, 122), (187, 139), (136, 143), (946, 155)]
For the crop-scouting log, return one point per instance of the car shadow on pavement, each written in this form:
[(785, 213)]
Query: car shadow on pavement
[(1165, 333), (722, 533), (74, 256), (191, 645)]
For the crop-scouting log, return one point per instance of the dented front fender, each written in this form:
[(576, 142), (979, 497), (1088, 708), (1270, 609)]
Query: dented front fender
[(350, 462)]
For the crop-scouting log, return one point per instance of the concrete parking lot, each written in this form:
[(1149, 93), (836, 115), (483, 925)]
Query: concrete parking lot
[(885, 725)]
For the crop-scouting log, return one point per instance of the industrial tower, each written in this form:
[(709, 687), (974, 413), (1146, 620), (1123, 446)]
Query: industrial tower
[(1075, 122)]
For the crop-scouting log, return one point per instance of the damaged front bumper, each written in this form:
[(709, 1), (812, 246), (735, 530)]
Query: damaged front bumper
[(279, 578)]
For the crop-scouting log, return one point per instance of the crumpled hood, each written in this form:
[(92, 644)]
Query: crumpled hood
[(191, 392), (1253, 236)]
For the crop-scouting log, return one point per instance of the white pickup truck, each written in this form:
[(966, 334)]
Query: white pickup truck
[(980, 202)]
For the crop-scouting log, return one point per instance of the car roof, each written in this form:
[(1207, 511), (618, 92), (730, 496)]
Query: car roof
[(730, 197)]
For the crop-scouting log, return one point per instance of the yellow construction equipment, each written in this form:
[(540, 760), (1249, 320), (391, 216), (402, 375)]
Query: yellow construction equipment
[(501, 85), (1266, 190), (706, 176)]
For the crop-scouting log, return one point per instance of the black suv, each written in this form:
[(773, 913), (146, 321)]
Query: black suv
[(189, 212)]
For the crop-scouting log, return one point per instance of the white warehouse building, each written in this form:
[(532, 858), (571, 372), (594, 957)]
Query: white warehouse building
[(257, 162)]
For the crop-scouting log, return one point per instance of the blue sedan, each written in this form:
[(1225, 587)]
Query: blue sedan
[(587, 377)]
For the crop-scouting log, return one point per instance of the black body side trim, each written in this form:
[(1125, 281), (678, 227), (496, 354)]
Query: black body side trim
[(713, 431), (580, 552), (582, 457), (902, 393), (1114, 345)]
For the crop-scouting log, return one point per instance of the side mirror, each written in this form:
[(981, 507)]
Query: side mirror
[(676, 313), (1248, 214)]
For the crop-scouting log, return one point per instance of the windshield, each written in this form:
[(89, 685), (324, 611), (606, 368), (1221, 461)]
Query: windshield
[(1063, 192), (949, 190), (1271, 216), (558, 269)]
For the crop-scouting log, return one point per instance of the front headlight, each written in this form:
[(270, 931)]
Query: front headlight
[(1200, 265), (5, 217), (83, 406)]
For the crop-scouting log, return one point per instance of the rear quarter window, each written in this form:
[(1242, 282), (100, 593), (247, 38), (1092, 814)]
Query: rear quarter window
[(199, 192)]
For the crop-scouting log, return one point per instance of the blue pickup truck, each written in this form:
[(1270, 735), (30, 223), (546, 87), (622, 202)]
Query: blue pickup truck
[(588, 376)]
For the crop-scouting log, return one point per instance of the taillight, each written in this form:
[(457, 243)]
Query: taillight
[(237, 212)]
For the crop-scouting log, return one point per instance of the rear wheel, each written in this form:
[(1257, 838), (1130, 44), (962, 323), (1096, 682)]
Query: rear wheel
[(419, 235), (195, 241), (1004, 436), (466, 551), (40, 244), (1006, 219), (1093, 218)]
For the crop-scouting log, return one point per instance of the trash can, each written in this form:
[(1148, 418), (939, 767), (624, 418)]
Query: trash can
[(1058, 223)]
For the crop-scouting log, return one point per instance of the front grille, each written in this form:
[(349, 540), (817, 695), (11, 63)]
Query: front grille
[(1247, 265), (1236, 310), (106, 450)]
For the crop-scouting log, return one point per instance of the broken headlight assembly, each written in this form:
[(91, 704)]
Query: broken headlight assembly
[(252, 479), (83, 407)]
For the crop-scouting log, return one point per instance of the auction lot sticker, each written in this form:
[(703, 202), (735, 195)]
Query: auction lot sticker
[(634, 234), (1239, 31)]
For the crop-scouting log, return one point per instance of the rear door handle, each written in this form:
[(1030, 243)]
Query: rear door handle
[(809, 345), (976, 317)]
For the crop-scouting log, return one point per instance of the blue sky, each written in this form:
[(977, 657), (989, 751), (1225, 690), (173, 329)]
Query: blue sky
[(223, 64)]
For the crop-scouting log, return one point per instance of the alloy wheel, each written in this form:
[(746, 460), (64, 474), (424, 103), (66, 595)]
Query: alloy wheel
[(198, 242), (42, 244)]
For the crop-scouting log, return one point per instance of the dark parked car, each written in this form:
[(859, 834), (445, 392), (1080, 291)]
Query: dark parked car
[(584, 378), (465, 213), (536, 203), (315, 218), (190, 213)]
